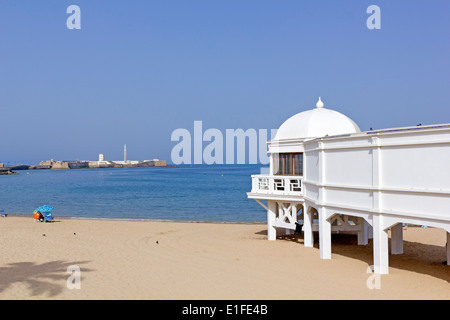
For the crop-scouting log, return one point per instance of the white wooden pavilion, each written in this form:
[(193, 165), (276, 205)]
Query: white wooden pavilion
[(328, 176)]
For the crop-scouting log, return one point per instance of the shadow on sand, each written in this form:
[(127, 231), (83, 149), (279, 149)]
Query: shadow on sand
[(417, 257), (47, 278)]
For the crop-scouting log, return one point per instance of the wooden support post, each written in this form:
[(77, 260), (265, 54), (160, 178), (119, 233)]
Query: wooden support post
[(380, 246), (324, 234), (363, 233), (397, 239), (370, 232), (271, 214), (308, 235), (448, 248)]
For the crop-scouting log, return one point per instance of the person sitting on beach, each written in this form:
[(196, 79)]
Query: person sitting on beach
[(38, 216)]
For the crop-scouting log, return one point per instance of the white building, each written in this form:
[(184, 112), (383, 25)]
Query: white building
[(327, 176)]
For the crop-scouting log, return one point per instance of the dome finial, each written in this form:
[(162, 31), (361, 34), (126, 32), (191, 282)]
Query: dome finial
[(319, 103)]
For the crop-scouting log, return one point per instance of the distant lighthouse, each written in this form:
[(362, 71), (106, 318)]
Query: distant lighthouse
[(125, 153)]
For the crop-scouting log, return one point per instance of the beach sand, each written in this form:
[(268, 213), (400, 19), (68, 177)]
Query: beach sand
[(121, 260)]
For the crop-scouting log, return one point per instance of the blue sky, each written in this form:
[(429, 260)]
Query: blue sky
[(137, 70)]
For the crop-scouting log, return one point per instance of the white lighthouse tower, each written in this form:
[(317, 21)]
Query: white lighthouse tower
[(125, 153)]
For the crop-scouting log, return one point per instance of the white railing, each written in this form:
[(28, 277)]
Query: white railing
[(282, 185)]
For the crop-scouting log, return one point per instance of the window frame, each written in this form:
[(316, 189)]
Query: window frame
[(282, 159)]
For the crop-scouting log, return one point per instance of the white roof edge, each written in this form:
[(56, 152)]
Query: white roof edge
[(398, 130)]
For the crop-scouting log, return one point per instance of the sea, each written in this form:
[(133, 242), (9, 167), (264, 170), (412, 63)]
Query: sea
[(200, 193)]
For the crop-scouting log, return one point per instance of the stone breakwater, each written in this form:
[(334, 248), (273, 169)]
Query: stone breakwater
[(6, 171), (66, 165)]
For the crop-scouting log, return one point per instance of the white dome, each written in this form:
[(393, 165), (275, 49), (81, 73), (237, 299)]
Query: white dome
[(316, 123)]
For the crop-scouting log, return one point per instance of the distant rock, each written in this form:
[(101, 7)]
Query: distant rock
[(6, 171)]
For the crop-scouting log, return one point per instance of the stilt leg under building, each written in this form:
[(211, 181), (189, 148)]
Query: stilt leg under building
[(448, 248), (363, 235), (397, 239), (380, 246), (271, 215), (324, 234), (308, 228)]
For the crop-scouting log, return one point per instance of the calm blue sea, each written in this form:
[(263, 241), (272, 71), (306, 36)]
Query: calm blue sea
[(195, 193)]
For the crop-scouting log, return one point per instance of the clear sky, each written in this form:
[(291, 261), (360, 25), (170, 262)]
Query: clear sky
[(139, 69)]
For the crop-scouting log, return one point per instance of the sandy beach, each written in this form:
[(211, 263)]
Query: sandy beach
[(169, 260)]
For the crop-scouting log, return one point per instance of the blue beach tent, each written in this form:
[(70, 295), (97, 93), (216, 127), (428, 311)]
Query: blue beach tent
[(46, 212), (45, 209), (48, 216)]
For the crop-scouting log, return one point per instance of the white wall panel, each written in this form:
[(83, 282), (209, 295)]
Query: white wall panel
[(348, 197), (416, 167), (349, 167)]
